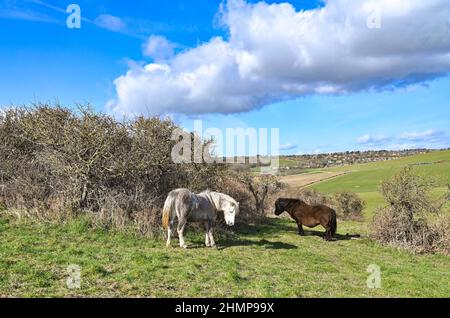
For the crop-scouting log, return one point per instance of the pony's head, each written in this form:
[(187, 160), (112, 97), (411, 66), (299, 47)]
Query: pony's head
[(224, 203), (279, 206), (229, 211)]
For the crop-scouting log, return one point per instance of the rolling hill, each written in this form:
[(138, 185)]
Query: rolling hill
[(364, 179)]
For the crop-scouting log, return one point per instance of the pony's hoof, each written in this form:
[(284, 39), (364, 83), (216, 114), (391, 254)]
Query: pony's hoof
[(183, 246), (214, 247)]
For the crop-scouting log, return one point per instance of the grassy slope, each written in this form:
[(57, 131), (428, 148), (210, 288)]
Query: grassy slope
[(270, 260), (365, 179)]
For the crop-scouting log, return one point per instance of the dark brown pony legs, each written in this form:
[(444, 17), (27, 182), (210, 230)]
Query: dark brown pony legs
[(300, 229)]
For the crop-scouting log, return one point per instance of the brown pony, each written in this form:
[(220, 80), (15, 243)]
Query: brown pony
[(308, 215)]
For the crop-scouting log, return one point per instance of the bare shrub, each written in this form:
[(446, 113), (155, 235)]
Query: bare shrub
[(348, 205), (411, 219), (313, 197), (56, 163), (409, 191), (441, 228), (308, 195), (261, 187)]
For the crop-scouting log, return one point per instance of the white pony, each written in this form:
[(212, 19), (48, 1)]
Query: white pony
[(202, 207)]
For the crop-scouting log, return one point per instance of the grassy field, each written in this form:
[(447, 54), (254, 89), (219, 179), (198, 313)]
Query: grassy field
[(268, 260), (261, 261), (365, 179)]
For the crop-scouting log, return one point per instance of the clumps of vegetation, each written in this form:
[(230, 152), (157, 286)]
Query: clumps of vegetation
[(263, 188), (56, 163), (348, 205), (441, 228), (411, 219), (313, 197)]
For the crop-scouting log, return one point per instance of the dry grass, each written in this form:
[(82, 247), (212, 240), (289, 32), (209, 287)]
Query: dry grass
[(305, 179)]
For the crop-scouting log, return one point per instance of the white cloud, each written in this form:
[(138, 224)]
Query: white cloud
[(372, 139), (158, 48), (431, 138), (110, 22), (274, 53), (288, 146), (27, 15), (419, 136)]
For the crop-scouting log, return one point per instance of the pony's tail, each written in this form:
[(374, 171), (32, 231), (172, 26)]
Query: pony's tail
[(167, 211), (333, 223)]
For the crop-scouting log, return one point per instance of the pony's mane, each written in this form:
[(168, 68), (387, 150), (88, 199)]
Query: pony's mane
[(228, 198), (208, 193)]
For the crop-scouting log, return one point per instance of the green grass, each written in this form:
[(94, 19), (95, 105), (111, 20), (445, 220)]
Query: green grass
[(365, 179), (287, 163), (268, 260)]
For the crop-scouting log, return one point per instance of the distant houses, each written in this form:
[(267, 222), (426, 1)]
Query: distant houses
[(326, 160), (298, 163)]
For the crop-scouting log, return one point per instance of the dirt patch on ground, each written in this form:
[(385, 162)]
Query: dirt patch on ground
[(306, 179)]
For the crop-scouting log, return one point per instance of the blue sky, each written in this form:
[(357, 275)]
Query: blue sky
[(43, 60)]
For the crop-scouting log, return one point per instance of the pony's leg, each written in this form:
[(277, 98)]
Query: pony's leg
[(327, 234), (180, 229), (169, 233), (211, 237), (300, 229), (207, 242)]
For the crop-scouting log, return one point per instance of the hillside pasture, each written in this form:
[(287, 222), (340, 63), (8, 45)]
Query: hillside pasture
[(364, 179), (254, 260), (268, 260)]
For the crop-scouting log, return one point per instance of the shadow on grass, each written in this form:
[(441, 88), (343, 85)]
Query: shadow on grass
[(337, 237), (263, 243), (271, 229), (224, 244), (245, 234)]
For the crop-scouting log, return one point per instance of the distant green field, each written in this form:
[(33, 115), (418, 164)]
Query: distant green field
[(365, 179)]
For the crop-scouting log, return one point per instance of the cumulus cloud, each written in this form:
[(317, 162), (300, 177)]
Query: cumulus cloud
[(274, 53), (158, 48), (110, 22)]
